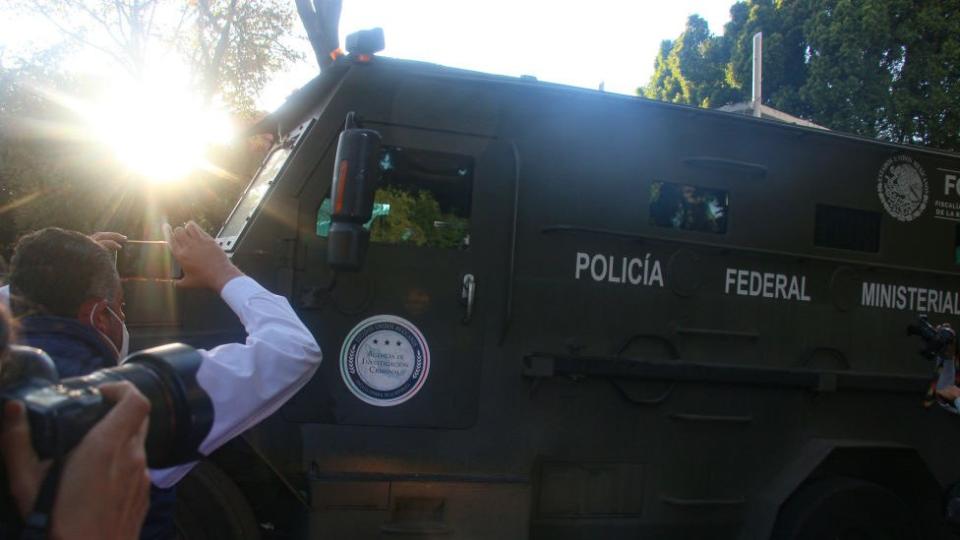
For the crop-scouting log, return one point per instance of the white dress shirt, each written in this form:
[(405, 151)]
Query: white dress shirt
[(248, 381)]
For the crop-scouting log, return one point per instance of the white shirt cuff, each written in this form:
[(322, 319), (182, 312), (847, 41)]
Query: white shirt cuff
[(238, 290)]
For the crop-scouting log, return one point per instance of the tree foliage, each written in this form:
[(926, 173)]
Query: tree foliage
[(54, 172), (34, 174), (231, 46), (691, 69), (878, 68), (416, 218), (238, 45)]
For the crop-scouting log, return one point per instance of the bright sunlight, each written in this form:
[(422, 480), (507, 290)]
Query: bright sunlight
[(157, 127)]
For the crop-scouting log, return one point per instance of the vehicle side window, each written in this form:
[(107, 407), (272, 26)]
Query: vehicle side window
[(691, 208), (424, 199), (847, 228), (254, 194)]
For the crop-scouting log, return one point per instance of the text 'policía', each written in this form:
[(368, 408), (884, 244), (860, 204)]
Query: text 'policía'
[(625, 270)]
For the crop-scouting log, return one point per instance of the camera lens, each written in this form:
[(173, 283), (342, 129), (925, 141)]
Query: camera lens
[(181, 413)]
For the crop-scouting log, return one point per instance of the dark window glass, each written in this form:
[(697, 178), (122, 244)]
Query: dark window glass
[(424, 199), (847, 228), (258, 188), (691, 208)]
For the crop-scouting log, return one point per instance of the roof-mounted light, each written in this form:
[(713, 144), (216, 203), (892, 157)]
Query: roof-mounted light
[(364, 44)]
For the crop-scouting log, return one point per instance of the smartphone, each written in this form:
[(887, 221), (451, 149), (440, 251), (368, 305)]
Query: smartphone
[(147, 259)]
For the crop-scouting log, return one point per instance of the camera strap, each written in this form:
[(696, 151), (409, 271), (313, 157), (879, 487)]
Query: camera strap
[(36, 526)]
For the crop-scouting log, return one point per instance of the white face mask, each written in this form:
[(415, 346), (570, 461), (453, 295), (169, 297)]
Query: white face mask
[(125, 341)]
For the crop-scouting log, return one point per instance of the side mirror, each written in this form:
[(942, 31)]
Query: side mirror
[(356, 172)]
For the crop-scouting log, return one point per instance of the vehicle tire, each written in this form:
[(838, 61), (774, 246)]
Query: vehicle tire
[(210, 506), (845, 509)]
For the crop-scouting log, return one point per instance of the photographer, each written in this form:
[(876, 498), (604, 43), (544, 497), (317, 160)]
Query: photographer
[(66, 288), (103, 484), (947, 389), (940, 345)]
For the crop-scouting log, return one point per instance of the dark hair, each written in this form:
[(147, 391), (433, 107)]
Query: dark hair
[(54, 271)]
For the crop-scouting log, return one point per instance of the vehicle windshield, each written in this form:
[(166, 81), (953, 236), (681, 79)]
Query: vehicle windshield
[(254, 194)]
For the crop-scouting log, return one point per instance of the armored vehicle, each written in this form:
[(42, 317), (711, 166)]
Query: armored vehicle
[(549, 312)]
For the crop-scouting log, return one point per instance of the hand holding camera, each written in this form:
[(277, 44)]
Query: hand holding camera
[(61, 413), (110, 241), (104, 486), (949, 393)]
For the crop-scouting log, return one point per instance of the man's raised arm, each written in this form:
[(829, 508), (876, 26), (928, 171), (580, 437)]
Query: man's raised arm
[(246, 381)]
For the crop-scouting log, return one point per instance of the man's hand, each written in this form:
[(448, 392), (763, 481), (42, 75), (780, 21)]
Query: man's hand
[(204, 263), (110, 241), (104, 489), (949, 393)]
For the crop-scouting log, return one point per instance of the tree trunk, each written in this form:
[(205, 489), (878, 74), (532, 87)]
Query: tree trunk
[(321, 20)]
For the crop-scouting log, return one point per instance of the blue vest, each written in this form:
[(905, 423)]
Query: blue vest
[(77, 349)]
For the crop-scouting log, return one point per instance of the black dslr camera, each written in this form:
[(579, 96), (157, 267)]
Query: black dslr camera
[(935, 340), (61, 412)]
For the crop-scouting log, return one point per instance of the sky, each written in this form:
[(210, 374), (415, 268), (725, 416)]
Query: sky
[(614, 42), (577, 43)]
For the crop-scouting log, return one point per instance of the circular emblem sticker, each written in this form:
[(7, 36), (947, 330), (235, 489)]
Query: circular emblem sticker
[(903, 188), (385, 360)]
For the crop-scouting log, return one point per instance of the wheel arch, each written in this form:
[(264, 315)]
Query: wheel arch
[(273, 497), (898, 467)]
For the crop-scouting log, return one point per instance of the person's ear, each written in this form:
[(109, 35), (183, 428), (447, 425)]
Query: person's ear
[(96, 314), (101, 318)]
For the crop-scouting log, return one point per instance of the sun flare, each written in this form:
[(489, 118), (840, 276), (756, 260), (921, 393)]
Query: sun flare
[(157, 127)]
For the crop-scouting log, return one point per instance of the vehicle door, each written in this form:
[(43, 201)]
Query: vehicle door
[(402, 337)]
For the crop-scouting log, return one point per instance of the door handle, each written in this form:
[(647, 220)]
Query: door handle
[(467, 292)]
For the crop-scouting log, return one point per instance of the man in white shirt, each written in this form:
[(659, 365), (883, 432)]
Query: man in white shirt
[(67, 292)]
